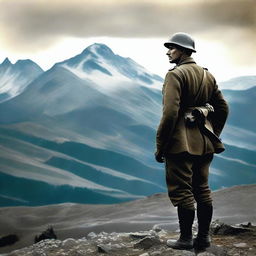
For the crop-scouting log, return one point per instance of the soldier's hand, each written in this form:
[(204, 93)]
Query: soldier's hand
[(159, 157)]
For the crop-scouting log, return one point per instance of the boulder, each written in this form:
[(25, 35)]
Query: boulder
[(219, 228), (147, 242)]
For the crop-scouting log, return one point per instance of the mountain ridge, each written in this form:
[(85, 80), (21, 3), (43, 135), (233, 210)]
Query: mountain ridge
[(85, 111), (239, 83), (100, 57)]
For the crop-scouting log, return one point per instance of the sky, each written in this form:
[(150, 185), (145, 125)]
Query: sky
[(49, 31)]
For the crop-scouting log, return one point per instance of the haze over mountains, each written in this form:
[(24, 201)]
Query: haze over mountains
[(84, 131)]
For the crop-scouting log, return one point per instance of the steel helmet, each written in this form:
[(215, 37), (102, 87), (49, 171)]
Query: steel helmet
[(183, 40)]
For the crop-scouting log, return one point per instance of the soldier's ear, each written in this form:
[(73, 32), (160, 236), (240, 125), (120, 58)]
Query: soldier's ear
[(187, 52)]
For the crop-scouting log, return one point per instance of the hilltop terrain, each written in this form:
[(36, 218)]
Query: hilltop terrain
[(101, 223)]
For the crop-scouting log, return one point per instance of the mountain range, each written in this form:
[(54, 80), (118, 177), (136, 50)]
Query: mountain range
[(84, 132), (239, 83)]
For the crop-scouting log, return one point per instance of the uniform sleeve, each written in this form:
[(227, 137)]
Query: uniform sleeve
[(221, 110), (171, 106)]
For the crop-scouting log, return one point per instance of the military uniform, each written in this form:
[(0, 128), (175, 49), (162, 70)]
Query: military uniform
[(188, 152), (188, 149)]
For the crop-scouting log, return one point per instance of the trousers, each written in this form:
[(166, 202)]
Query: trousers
[(187, 179)]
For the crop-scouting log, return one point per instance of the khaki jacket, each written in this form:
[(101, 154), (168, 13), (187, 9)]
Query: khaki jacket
[(180, 87)]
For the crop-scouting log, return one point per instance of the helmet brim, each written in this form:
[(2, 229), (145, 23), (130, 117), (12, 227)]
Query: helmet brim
[(168, 45)]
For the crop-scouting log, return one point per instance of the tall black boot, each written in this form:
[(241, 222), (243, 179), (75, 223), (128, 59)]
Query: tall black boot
[(204, 216), (186, 219)]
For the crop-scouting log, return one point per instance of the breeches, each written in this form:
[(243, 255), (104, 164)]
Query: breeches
[(187, 179)]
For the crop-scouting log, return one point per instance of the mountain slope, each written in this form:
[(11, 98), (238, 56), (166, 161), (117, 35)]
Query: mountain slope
[(59, 110), (242, 107), (100, 59), (239, 83), (15, 77)]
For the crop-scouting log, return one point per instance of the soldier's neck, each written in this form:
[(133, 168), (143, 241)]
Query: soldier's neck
[(181, 59)]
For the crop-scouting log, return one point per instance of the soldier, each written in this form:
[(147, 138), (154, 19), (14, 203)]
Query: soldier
[(194, 114)]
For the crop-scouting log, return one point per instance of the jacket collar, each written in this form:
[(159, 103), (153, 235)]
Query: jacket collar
[(186, 60)]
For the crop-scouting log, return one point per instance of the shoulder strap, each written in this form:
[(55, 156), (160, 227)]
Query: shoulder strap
[(200, 86)]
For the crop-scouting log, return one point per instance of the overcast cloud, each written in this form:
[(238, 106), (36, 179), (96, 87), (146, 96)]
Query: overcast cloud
[(30, 23), (35, 25)]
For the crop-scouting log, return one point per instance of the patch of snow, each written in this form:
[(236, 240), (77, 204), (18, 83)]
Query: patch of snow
[(217, 172), (235, 136), (236, 160), (14, 198), (48, 174)]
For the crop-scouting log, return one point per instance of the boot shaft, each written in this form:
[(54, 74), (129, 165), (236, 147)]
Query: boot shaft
[(186, 219), (204, 217)]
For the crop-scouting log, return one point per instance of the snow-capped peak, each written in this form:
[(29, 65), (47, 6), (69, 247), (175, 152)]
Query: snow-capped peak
[(102, 66), (15, 77), (99, 49)]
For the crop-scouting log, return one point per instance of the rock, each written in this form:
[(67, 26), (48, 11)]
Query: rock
[(156, 228), (69, 243), (139, 235), (155, 253), (104, 248), (153, 243), (247, 225), (147, 242), (102, 234), (91, 235), (144, 254), (219, 228), (48, 243), (83, 239), (180, 252), (212, 251), (205, 254), (240, 245)]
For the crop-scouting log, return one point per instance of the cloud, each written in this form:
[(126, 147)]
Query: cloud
[(27, 24)]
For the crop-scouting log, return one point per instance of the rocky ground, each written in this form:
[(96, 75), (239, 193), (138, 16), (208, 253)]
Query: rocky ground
[(238, 240), (79, 228)]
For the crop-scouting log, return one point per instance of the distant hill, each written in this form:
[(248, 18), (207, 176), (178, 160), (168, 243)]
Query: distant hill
[(242, 105), (239, 83)]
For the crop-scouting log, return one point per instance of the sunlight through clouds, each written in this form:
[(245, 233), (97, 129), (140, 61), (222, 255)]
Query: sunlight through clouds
[(51, 31)]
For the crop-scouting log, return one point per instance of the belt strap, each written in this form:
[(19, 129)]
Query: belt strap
[(200, 86)]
